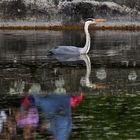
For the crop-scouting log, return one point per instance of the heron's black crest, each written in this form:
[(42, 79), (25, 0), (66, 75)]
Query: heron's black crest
[(89, 19)]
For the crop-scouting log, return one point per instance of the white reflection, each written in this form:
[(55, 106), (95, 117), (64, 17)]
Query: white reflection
[(35, 88), (132, 75), (85, 81), (3, 118), (128, 63), (17, 88), (101, 73), (59, 86)]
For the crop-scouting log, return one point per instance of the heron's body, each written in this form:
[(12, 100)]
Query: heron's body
[(72, 50)]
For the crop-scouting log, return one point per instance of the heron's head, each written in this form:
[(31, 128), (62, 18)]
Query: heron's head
[(94, 21)]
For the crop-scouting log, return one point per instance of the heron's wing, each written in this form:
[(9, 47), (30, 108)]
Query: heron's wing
[(66, 50)]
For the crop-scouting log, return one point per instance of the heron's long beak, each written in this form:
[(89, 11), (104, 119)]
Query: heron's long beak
[(100, 20)]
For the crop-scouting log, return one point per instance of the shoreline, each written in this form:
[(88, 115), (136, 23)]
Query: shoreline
[(123, 27)]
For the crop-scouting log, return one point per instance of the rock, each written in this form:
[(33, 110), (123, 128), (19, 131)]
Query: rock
[(65, 11), (76, 10), (13, 9)]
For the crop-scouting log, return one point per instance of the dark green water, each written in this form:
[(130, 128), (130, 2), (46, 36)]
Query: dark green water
[(107, 80)]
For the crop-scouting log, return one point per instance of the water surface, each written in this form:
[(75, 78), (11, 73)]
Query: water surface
[(94, 96)]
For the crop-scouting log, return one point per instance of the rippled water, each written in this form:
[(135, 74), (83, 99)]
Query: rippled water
[(94, 96)]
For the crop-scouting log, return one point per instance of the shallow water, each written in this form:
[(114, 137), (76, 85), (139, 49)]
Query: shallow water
[(94, 96)]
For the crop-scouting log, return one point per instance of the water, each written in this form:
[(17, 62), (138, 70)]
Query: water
[(94, 96)]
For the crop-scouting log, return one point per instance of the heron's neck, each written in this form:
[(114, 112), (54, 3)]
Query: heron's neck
[(86, 48)]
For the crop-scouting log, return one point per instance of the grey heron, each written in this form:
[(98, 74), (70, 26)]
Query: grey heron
[(73, 50)]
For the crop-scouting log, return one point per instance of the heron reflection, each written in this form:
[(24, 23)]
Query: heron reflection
[(85, 81)]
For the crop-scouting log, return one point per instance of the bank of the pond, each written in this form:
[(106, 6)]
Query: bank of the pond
[(127, 27)]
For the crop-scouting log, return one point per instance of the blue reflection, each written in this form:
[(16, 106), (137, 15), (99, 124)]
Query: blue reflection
[(57, 112)]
